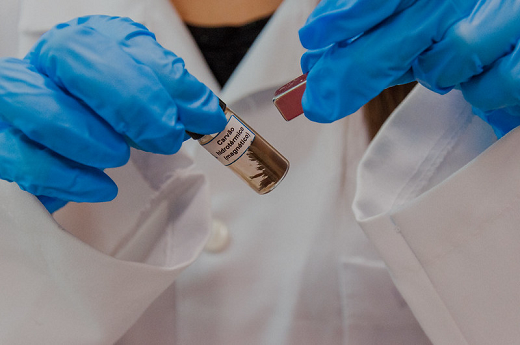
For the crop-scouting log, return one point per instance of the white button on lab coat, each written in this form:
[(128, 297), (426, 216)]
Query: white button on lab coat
[(298, 270), (219, 237)]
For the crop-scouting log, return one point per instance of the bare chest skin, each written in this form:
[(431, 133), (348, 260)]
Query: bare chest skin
[(223, 12)]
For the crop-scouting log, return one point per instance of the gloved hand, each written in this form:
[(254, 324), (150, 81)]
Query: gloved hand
[(87, 90), (360, 47)]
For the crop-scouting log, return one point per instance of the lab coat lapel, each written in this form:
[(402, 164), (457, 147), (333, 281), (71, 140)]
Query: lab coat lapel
[(266, 63)]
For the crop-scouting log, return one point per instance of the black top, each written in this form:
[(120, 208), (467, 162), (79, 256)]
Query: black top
[(224, 47)]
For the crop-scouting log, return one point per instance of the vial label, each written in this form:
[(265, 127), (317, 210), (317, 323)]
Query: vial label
[(230, 144)]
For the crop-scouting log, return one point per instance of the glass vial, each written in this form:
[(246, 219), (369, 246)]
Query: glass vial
[(246, 153)]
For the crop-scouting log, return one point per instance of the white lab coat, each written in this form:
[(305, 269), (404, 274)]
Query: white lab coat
[(298, 269)]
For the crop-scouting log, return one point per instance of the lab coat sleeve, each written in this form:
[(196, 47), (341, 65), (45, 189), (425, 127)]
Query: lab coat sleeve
[(441, 202), (57, 289)]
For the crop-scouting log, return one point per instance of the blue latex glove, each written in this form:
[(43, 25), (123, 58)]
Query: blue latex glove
[(87, 90), (357, 48)]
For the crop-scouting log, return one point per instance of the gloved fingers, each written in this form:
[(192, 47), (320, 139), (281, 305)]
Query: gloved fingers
[(32, 103), (93, 68), (198, 108), (488, 33), (311, 57), (52, 204), (332, 91), (337, 20), (497, 87), (348, 76), (41, 171)]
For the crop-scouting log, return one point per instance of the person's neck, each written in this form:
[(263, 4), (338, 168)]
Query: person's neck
[(224, 12)]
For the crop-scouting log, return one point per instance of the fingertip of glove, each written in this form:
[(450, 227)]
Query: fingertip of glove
[(326, 108), (52, 204), (205, 115), (96, 188), (320, 101), (314, 111), (109, 154), (306, 36), (211, 126), (219, 120), (121, 156), (80, 184)]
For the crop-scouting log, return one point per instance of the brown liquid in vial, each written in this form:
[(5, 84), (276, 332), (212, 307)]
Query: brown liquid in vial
[(262, 167)]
